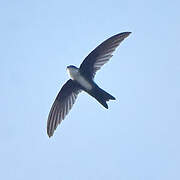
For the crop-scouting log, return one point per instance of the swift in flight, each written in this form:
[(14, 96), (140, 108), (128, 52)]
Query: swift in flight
[(81, 79)]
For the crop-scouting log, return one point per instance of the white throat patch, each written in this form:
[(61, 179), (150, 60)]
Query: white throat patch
[(75, 75)]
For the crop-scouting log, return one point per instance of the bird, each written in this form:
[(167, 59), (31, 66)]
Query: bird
[(82, 79)]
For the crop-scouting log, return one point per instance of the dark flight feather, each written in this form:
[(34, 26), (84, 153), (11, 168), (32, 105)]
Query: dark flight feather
[(101, 55), (62, 105)]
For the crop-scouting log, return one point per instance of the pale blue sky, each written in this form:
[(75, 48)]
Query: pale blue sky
[(137, 137)]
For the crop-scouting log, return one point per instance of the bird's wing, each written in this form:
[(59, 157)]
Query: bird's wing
[(101, 54), (62, 104)]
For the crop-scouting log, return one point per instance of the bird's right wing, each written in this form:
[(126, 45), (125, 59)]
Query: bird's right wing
[(101, 55), (62, 104)]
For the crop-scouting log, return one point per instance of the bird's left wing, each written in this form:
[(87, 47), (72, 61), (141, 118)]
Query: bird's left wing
[(101, 54), (62, 104)]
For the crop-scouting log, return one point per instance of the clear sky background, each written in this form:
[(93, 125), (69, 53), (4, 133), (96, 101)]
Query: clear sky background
[(137, 138)]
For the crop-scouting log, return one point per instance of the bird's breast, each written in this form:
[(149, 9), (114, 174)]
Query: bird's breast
[(83, 82), (76, 75)]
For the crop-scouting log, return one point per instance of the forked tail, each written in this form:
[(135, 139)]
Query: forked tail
[(102, 96)]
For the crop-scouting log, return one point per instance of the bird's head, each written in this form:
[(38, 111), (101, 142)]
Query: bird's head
[(72, 71), (71, 67)]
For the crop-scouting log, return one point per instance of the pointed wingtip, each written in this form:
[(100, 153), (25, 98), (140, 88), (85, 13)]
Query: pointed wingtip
[(123, 35), (126, 34), (49, 135)]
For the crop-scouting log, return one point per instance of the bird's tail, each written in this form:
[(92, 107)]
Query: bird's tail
[(102, 96)]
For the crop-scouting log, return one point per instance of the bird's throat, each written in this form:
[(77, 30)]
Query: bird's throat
[(75, 75)]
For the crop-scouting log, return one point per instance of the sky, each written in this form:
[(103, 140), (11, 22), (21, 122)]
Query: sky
[(137, 137)]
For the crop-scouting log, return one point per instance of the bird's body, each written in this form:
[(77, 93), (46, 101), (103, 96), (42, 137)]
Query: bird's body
[(89, 86), (82, 78), (75, 75)]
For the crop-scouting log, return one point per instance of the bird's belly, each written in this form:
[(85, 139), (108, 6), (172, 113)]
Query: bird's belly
[(83, 82)]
